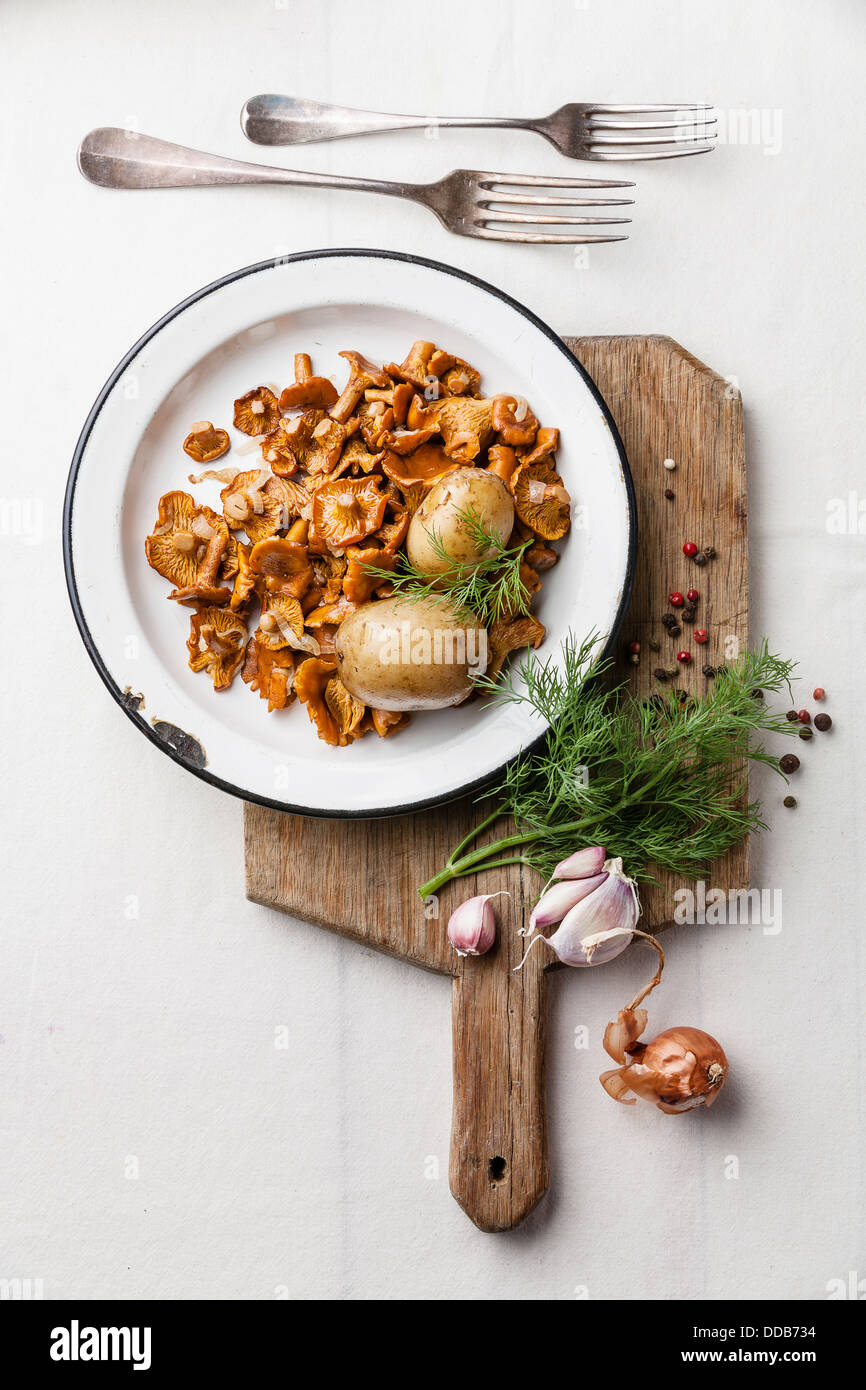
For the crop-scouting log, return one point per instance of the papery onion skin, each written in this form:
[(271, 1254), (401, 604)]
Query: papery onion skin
[(622, 1033), (680, 1069)]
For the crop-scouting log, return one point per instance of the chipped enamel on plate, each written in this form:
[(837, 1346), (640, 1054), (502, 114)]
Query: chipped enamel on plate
[(243, 332)]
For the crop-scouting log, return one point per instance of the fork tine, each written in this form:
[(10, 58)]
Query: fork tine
[(634, 157), (528, 200), (487, 181), (613, 109), (604, 124), (565, 238), (647, 139), (557, 219)]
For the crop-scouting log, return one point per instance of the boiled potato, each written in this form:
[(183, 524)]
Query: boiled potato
[(400, 655), (460, 491)]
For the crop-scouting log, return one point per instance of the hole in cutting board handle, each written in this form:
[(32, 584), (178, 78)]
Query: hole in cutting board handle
[(497, 1168)]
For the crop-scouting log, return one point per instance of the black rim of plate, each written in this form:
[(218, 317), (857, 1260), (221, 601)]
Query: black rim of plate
[(122, 698)]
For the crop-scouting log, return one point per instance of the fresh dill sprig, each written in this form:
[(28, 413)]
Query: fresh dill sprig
[(660, 783), (490, 588)]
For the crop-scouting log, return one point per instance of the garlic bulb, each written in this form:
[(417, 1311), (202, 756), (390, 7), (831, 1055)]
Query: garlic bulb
[(598, 919), (610, 911), (472, 925)]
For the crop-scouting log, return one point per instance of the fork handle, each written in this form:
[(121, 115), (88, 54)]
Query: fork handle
[(117, 158), (270, 119)]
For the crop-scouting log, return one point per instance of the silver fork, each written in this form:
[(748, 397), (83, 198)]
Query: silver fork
[(466, 201), (581, 131)]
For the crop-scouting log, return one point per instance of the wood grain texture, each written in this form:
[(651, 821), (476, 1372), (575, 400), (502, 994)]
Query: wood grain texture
[(666, 405)]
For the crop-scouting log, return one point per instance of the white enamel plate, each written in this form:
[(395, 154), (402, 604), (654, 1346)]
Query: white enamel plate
[(242, 332)]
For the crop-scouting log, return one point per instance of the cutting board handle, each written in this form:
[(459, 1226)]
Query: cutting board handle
[(499, 1163)]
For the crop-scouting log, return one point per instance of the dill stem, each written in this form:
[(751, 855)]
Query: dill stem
[(473, 834), (477, 859), (470, 863)]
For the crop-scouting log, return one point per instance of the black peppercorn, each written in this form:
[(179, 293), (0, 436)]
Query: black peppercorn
[(823, 722), (792, 716), (670, 494), (660, 673), (789, 763), (790, 801), (668, 618), (687, 612), (674, 629), (700, 558), (806, 734), (757, 694), (709, 671), (653, 645), (710, 552)]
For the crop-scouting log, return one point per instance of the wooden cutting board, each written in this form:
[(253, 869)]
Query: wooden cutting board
[(666, 404)]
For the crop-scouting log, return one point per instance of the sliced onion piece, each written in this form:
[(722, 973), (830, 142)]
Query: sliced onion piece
[(219, 475), (202, 528)]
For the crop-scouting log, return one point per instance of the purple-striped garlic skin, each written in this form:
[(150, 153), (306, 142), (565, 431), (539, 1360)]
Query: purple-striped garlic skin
[(582, 864), (553, 905), (600, 926), (472, 926)]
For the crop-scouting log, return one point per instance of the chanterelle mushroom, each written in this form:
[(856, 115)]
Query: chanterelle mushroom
[(540, 500), (280, 623), (204, 443), (270, 672), (461, 379), (311, 679), (258, 503), (513, 421), (508, 635), (546, 443), (466, 426), (329, 571), (245, 580), (358, 457), (359, 585), (416, 368), (308, 390), (187, 544), (363, 374), (344, 709), (284, 566), (257, 412), (326, 445), (348, 509), (217, 640)]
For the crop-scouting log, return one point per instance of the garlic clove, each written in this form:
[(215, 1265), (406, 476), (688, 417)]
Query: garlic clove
[(472, 925), (560, 899), (581, 864), (611, 908)]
